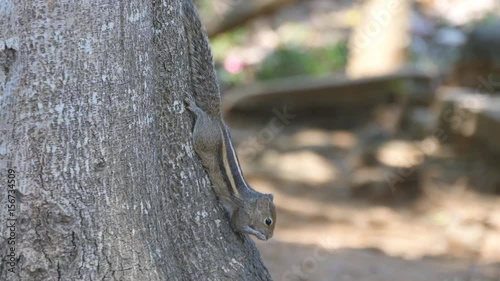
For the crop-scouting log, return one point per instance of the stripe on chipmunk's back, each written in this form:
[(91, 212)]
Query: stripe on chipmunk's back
[(225, 169), (233, 165)]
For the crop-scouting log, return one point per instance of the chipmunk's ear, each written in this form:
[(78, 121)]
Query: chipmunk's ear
[(271, 197), (265, 201)]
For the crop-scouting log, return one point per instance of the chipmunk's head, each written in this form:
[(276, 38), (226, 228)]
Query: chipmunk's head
[(264, 218)]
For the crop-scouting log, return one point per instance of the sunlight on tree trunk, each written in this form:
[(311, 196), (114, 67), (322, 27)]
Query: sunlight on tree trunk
[(378, 44)]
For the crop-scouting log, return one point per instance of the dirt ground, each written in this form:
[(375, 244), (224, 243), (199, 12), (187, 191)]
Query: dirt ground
[(349, 210), (332, 227)]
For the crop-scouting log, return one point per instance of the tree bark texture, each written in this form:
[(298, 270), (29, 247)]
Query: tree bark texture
[(94, 126)]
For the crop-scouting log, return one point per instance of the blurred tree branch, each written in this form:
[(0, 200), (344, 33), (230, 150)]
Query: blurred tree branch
[(238, 12)]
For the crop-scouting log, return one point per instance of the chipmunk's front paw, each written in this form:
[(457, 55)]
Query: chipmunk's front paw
[(258, 234), (188, 102), (191, 105)]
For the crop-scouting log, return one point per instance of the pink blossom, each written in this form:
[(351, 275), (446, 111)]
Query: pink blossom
[(233, 65)]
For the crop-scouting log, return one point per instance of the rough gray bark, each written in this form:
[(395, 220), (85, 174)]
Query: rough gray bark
[(94, 126)]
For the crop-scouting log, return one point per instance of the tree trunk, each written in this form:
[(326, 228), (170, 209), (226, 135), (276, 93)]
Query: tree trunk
[(378, 44), (97, 138)]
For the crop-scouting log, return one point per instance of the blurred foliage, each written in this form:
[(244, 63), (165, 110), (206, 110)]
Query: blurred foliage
[(288, 60), (293, 60), (207, 8), (489, 19), (227, 79), (225, 42), (293, 56)]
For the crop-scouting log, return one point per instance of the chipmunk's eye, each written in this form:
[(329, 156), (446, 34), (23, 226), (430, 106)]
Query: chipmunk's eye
[(268, 221)]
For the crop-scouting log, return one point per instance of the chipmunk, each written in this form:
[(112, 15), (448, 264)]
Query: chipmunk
[(250, 212)]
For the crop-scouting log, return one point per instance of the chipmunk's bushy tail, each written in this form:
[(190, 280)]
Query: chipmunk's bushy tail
[(204, 82)]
